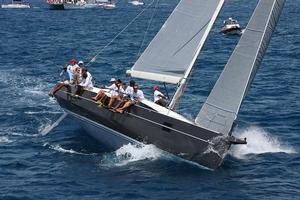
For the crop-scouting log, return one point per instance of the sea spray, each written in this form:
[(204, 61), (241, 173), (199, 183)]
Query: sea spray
[(131, 153), (258, 142)]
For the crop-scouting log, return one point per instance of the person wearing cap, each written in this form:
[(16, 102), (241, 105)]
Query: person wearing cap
[(135, 97), (126, 94), (116, 94), (71, 69), (159, 97), (101, 93)]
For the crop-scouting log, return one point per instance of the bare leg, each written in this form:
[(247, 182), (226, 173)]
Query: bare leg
[(112, 101), (126, 105), (99, 95), (57, 87)]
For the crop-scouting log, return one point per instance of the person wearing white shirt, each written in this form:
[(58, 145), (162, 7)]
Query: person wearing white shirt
[(101, 93), (135, 97), (116, 94), (129, 89), (158, 97), (87, 78)]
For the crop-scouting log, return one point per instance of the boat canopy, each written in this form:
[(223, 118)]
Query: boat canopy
[(171, 54), (222, 105)]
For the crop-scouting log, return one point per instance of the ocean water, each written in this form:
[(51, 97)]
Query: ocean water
[(68, 164)]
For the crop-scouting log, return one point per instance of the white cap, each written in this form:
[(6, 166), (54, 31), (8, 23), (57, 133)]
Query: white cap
[(80, 62), (112, 79)]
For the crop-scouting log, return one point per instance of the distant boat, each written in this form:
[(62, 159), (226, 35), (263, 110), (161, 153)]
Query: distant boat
[(169, 58), (72, 4), (110, 4), (136, 2), (16, 4), (231, 26)]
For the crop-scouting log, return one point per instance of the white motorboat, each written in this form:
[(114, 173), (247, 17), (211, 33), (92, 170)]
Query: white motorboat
[(16, 4), (136, 2)]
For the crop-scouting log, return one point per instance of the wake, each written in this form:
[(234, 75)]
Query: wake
[(259, 142), (131, 153)]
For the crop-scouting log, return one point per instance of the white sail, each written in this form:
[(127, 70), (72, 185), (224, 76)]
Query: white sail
[(222, 105), (171, 54)]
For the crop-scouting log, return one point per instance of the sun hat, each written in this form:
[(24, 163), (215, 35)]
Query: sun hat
[(112, 80), (80, 62)]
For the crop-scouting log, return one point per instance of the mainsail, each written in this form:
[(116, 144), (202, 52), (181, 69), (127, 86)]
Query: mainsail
[(222, 105), (171, 54)]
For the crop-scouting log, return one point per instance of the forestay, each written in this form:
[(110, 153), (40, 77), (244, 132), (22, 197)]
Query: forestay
[(221, 107), (173, 51)]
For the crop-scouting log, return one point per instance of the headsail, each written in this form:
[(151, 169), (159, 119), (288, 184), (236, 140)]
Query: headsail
[(173, 51), (222, 105)]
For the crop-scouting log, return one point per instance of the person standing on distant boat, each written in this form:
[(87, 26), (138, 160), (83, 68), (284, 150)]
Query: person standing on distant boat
[(136, 96), (159, 98)]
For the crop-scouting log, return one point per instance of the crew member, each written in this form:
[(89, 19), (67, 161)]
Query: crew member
[(159, 98), (135, 97)]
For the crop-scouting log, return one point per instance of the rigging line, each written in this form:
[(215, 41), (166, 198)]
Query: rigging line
[(149, 24), (116, 36)]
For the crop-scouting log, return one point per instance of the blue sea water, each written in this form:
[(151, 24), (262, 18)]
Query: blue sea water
[(68, 164)]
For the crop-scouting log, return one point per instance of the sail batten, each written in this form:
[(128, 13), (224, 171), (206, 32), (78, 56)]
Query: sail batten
[(222, 105), (172, 52)]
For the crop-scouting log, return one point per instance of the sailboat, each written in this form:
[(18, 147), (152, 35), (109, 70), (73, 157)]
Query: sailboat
[(110, 4), (136, 2), (16, 4), (72, 4), (169, 58)]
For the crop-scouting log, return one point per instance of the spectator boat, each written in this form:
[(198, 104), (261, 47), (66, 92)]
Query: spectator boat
[(16, 4), (231, 26)]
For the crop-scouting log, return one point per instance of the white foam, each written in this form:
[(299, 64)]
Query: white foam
[(258, 142), (132, 153), (62, 150), (5, 140), (41, 112)]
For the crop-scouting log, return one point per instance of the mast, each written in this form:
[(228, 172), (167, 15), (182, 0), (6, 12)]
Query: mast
[(222, 105)]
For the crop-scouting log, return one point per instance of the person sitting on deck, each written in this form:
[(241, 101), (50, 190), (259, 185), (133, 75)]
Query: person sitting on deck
[(159, 98), (101, 93), (85, 81), (116, 94), (87, 78), (135, 97), (129, 89), (126, 96)]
